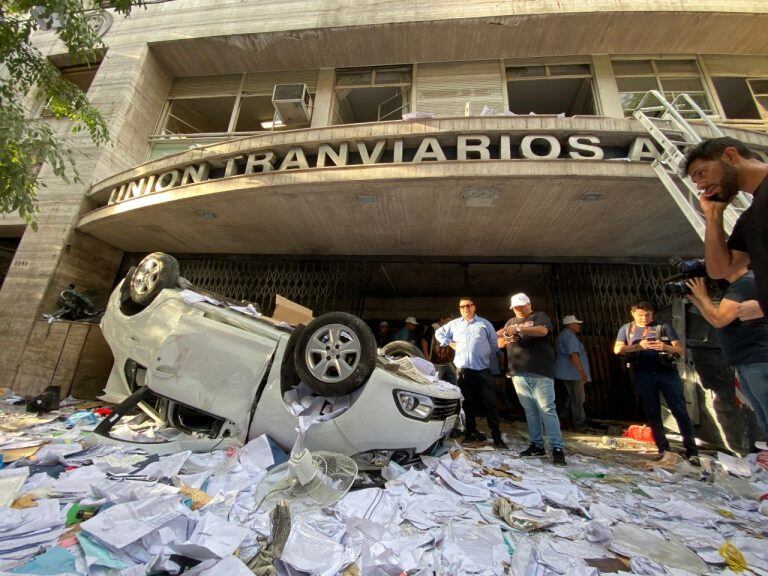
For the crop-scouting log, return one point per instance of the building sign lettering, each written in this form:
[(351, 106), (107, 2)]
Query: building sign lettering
[(464, 147)]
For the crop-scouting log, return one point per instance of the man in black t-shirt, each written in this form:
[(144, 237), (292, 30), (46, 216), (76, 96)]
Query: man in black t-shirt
[(744, 344), (721, 167), (531, 366), (650, 347)]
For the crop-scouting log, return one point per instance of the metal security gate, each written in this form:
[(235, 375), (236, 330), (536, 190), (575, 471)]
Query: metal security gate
[(321, 285), (601, 295)]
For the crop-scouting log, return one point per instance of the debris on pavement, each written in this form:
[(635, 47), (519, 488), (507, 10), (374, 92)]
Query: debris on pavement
[(71, 505)]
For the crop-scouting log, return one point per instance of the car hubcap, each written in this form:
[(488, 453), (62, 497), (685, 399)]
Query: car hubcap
[(145, 278), (333, 353)]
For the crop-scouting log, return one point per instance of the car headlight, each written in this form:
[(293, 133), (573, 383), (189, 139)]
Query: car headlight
[(414, 405)]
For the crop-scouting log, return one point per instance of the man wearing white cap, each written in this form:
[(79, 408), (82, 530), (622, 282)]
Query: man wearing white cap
[(408, 332), (572, 368), (531, 365)]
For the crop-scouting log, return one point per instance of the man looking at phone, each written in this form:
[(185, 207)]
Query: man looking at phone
[(720, 168), (650, 348)]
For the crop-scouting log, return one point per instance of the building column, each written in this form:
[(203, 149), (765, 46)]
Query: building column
[(321, 113), (607, 90), (129, 89)]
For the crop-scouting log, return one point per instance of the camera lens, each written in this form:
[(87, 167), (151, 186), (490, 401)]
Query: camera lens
[(676, 288)]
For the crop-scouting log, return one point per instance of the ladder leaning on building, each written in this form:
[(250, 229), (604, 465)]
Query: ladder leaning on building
[(667, 124)]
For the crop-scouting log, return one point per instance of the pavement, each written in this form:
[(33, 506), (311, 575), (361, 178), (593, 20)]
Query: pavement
[(70, 506)]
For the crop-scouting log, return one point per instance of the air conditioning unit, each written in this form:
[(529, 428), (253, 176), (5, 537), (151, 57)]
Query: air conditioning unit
[(293, 104)]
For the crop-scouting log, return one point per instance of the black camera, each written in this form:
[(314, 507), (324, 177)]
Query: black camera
[(693, 268)]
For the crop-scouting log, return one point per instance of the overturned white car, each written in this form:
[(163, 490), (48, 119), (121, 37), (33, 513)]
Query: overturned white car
[(222, 376)]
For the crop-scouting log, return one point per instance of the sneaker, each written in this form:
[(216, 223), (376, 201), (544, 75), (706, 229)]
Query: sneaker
[(500, 444), (533, 450), (558, 457)]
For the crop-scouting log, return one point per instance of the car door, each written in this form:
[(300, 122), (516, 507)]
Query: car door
[(212, 366)]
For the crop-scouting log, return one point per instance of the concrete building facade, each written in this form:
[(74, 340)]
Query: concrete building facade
[(517, 166)]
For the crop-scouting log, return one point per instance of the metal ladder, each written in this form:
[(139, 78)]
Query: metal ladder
[(666, 123)]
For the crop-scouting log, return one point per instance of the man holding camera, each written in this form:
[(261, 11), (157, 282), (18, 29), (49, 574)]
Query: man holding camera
[(720, 168), (744, 343), (651, 348)]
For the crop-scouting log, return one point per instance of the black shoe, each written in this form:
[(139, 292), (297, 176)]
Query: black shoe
[(533, 450), (558, 457), (660, 455), (500, 444), (474, 436), (693, 460)]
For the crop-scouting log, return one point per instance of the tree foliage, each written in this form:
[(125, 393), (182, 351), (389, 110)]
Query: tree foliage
[(26, 143)]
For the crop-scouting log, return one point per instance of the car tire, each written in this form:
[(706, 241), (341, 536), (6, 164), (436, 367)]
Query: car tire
[(335, 354), (154, 273), (400, 349)]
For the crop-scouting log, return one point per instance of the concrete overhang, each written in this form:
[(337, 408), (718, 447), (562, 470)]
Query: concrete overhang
[(493, 207), (334, 43)]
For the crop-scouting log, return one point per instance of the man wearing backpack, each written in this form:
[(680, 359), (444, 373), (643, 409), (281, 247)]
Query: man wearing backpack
[(651, 348)]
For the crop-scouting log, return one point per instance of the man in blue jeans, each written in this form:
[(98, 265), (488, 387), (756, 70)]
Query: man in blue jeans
[(651, 348), (744, 343), (531, 365)]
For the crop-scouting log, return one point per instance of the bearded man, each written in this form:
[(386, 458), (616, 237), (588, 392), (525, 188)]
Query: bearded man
[(720, 168)]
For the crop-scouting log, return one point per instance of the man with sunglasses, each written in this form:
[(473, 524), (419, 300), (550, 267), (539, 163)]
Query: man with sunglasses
[(474, 340), (720, 168)]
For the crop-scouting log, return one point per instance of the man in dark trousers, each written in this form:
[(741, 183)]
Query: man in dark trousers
[(721, 167), (474, 340), (651, 348), (744, 344), (531, 366)]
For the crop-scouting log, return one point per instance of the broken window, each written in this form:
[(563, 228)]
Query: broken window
[(199, 115), (635, 78), (736, 98), (551, 89), (371, 94)]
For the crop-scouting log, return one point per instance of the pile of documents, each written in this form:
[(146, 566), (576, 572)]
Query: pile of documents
[(68, 506)]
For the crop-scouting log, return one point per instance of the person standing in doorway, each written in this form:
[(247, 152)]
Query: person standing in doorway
[(531, 366), (651, 348), (442, 356), (383, 334), (572, 369), (474, 341)]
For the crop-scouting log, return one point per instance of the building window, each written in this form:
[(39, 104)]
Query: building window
[(671, 77), (223, 104), (198, 115), (742, 98), (81, 75), (551, 89), (371, 94)]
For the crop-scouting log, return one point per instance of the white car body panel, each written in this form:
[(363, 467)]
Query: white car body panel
[(214, 360)]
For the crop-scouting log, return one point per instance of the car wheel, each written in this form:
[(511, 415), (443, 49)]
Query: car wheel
[(335, 354), (400, 349), (154, 273)]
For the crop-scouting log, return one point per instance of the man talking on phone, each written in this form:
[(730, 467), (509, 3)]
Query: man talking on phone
[(650, 348), (720, 168)]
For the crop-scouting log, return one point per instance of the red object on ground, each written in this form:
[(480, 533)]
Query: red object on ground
[(637, 432), (102, 411)]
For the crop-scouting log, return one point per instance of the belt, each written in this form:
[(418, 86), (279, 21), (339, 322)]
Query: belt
[(474, 370)]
